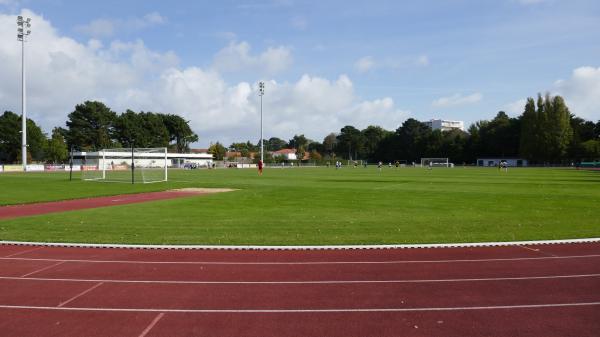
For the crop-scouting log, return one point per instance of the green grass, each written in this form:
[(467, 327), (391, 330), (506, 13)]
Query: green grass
[(319, 206)]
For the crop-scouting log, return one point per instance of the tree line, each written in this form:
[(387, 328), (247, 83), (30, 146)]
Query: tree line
[(545, 133), (93, 126)]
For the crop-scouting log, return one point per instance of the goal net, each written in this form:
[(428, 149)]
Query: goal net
[(438, 162), (137, 165)]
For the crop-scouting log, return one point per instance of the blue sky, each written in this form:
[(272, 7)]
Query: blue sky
[(326, 63)]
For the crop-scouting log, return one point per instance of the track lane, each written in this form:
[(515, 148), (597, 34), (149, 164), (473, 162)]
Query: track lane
[(36, 323), (313, 272), (547, 322), (428, 263), (299, 296)]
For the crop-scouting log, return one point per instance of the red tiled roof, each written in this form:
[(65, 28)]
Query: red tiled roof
[(285, 151)]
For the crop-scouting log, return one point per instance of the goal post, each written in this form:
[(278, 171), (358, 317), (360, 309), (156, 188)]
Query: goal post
[(135, 165), (438, 162)]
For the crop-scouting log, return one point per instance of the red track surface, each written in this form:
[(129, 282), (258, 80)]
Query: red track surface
[(549, 290), (16, 211)]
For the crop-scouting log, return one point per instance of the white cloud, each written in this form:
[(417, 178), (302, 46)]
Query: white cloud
[(154, 18), (100, 28), (582, 92), (457, 99), (515, 108), (104, 28), (422, 61), (226, 35), (364, 64), (367, 63), (237, 56), (127, 74), (299, 23)]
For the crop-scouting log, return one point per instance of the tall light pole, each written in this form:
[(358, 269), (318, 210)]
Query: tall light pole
[(23, 31), (261, 92)]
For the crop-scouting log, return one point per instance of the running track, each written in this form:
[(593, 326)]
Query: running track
[(542, 290)]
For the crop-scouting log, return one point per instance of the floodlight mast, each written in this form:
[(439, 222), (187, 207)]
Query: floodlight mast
[(261, 92), (23, 30)]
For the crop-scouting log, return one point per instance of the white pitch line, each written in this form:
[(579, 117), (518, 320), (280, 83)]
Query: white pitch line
[(303, 262), (45, 279), (496, 307)]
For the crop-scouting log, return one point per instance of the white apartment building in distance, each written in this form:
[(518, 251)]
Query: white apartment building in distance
[(445, 125)]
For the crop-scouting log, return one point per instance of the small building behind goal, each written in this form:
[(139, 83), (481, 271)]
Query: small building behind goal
[(144, 165), (513, 162)]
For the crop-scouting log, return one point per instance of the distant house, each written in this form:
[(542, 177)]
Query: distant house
[(199, 151), (287, 154)]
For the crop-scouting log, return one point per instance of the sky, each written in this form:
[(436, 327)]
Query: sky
[(325, 64)]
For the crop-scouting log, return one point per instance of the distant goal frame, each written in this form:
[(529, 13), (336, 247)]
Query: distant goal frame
[(436, 162), (98, 166)]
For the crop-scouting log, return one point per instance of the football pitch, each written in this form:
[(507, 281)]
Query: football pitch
[(318, 206)]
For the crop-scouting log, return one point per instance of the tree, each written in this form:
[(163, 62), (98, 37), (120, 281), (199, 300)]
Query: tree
[(409, 142), (300, 153), (591, 150), (330, 143), (558, 127), (316, 156), (179, 131), (217, 150), (350, 141), (298, 141), (529, 132), (498, 137), (546, 133), (129, 130), (91, 126), (372, 136), (275, 144), (57, 147), (10, 138)]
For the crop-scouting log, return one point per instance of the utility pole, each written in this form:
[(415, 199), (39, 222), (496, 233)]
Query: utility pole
[(23, 31)]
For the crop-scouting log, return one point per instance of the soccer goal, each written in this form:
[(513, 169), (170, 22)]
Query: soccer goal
[(137, 165), (438, 162), (352, 163)]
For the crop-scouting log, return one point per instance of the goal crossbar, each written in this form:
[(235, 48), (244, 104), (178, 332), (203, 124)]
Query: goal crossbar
[(142, 165)]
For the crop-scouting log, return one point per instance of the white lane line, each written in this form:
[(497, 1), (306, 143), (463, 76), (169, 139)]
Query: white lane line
[(44, 279), (537, 250), (44, 268), (24, 252), (152, 324), (305, 262), (338, 247), (80, 294), (495, 307)]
